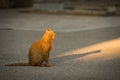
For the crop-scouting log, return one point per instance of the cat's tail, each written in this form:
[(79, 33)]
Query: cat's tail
[(18, 64)]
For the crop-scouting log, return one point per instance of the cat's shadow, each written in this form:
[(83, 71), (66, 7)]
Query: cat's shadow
[(58, 60)]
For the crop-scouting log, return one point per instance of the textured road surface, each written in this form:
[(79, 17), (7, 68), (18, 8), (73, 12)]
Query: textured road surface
[(86, 47)]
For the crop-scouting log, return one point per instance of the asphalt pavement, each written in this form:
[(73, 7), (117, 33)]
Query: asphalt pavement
[(79, 53)]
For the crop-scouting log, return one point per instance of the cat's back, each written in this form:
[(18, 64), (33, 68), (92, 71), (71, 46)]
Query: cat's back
[(35, 47)]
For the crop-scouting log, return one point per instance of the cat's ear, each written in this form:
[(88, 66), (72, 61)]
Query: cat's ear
[(49, 29)]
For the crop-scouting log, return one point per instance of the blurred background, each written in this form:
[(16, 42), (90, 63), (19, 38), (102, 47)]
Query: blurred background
[(89, 7)]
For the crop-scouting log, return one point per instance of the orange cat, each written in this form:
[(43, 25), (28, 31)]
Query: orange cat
[(39, 51)]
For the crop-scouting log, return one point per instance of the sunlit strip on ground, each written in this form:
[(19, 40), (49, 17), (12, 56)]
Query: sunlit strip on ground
[(102, 51)]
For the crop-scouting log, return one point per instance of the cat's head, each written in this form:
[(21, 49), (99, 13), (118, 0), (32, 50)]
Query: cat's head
[(50, 33)]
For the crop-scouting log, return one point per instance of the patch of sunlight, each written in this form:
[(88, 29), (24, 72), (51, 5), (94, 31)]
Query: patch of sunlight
[(104, 51)]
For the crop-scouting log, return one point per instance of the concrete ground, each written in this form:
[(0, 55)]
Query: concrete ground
[(86, 47)]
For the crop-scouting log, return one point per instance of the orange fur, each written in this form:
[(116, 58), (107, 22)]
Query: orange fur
[(39, 51)]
